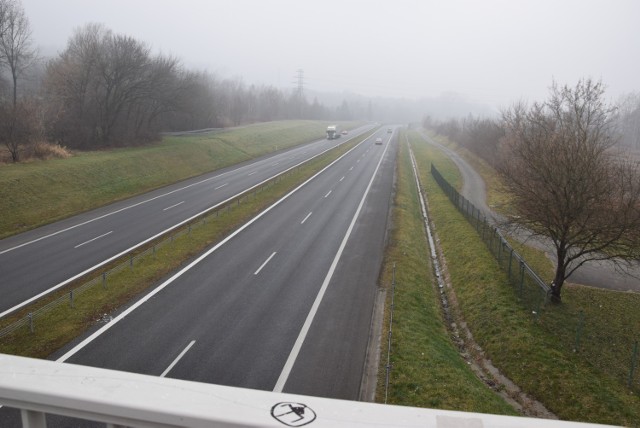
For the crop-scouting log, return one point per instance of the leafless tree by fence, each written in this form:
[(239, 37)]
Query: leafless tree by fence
[(566, 183)]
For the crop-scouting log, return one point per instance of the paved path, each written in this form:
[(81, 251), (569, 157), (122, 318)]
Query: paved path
[(594, 274)]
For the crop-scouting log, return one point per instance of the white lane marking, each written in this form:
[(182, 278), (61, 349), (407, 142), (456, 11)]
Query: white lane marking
[(265, 263), (203, 256), (184, 351), (328, 193), (358, 161), (109, 214), (351, 169), (342, 178), (159, 234), (173, 206), (286, 370), (274, 164), (251, 173), (305, 219), (96, 238), (221, 186)]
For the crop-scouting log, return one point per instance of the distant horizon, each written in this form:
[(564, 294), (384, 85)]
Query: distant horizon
[(492, 53)]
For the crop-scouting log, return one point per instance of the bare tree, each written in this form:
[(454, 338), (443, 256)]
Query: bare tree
[(19, 126), (16, 50), (566, 183)]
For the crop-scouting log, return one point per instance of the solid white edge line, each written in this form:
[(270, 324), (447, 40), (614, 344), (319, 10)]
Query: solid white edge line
[(305, 219), (173, 206), (159, 234), (293, 355), (178, 358), (265, 262), (94, 239), (182, 271)]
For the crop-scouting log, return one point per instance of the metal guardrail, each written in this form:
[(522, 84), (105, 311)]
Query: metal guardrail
[(129, 262)]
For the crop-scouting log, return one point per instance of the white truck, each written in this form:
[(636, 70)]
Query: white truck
[(333, 132)]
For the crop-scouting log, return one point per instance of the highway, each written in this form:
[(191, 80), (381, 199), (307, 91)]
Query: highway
[(284, 304), (37, 262)]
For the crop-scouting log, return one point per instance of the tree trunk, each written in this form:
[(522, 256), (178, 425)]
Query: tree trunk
[(558, 281)]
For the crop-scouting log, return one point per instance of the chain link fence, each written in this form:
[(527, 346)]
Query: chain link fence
[(585, 336)]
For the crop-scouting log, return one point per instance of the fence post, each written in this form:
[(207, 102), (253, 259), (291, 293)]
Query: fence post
[(71, 298), (104, 280), (634, 361), (31, 322), (521, 286), (510, 263), (579, 330)]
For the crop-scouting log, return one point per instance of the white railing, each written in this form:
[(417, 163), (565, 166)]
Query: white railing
[(40, 387)]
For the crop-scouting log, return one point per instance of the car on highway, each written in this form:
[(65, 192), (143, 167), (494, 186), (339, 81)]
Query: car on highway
[(345, 132), (389, 130), (378, 140)]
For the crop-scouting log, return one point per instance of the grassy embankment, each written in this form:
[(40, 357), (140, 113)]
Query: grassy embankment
[(427, 370), (540, 361), (64, 323), (40, 192)]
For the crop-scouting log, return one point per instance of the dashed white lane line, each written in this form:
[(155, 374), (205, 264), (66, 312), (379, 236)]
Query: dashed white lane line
[(221, 186), (184, 351), (293, 355), (305, 219), (251, 173), (173, 206), (328, 193), (265, 263), (351, 169), (342, 179), (94, 239)]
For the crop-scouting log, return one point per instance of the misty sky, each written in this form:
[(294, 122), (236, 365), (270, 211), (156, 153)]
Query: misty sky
[(493, 52)]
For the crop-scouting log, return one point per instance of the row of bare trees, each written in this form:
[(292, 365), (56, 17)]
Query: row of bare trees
[(106, 89), (567, 184)]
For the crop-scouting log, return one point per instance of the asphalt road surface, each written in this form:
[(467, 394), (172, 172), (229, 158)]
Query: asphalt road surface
[(35, 262), (284, 304)]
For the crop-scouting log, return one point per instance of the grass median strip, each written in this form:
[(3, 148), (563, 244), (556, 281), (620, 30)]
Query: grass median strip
[(426, 367), (135, 275), (525, 350)]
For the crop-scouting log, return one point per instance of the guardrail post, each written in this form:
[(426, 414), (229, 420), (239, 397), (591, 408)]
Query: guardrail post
[(104, 280), (579, 330), (30, 322)]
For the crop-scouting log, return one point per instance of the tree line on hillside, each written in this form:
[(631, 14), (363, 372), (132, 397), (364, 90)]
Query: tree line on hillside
[(106, 89), (566, 184)]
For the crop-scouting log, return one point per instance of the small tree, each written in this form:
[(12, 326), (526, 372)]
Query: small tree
[(19, 126), (567, 184), (16, 51)]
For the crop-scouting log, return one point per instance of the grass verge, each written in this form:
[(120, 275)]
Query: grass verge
[(39, 192), (62, 324), (427, 369), (542, 363)]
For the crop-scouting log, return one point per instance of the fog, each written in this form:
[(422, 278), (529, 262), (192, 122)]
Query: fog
[(489, 53)]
